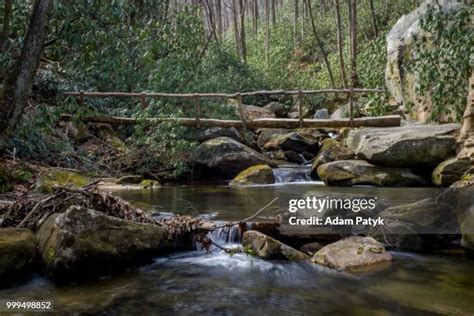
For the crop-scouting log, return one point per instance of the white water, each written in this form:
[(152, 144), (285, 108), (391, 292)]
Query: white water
[(292, 174)]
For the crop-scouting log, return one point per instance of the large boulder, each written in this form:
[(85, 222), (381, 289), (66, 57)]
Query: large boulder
[(225, 157), (463, 193), (353, 172), (252, 112), (427, 216), (278, 108), (406, 146), (82, 243), (293, 141), (17, 254), (331, 150), (450, 171), (265, 134), (60, 177), (353, 253), (266, 247), (401, 50), (259, 174)]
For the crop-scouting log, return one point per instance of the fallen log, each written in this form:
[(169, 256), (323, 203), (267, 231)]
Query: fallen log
[(381, 121)]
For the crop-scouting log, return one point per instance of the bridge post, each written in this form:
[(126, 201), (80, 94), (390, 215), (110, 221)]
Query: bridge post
[(300, 108), (241, 110), (197, 110), (81, 98), (143, 100)]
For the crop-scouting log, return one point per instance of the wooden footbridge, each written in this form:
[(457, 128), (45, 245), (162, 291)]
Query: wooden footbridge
[(244, 122)]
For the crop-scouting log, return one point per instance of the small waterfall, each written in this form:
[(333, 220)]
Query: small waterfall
[(292, 174), (227, 234)]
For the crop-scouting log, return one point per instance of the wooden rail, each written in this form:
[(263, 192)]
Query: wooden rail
[(197, 121)]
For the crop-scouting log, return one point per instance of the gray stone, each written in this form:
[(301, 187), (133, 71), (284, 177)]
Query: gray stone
[(407, 146), (17, 254), (353, 253), (353, 172), (321, 114), (265, 247), (225, 157), (83, 243)]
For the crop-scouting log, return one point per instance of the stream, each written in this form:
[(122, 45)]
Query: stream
[(197, 282)]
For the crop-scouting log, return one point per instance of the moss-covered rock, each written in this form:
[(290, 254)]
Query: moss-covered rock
[(266, 247), (83, 243), (150, 184), (17, 254), (5, 180), (353, 253), (260, 174), (450, 171), (51, 177), (130, 179), (294, 141), (225, 157), (353, 172), (331, 150)]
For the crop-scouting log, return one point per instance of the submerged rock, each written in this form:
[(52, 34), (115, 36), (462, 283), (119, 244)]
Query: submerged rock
[(225, 157), (17, 254), (406, 146), (61, 177), (83, 243), (260, 174), (353, 172), (265, 247), (352, 253), (450, 171)]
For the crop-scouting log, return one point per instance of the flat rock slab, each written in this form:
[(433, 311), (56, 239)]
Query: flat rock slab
[(406, 146), (353, 253), (354, 172)]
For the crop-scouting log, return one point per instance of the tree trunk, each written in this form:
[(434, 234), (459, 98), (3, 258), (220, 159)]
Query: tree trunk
[(353, 37), (219, 17), (274, 13), (320, 44), (340, 43), (267, 31), (374, 18), (19, 79), (295, 23), (7, 17), (255, 17), (243, 45), (236, 26)]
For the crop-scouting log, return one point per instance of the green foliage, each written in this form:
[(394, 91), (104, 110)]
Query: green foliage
[(443, 60)]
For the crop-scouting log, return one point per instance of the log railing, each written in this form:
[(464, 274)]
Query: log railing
[(393, 120)]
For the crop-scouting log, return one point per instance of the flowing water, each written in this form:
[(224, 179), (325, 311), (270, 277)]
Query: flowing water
[(198, 282)]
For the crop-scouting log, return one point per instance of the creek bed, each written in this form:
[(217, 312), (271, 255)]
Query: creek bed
[(198, 283)]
